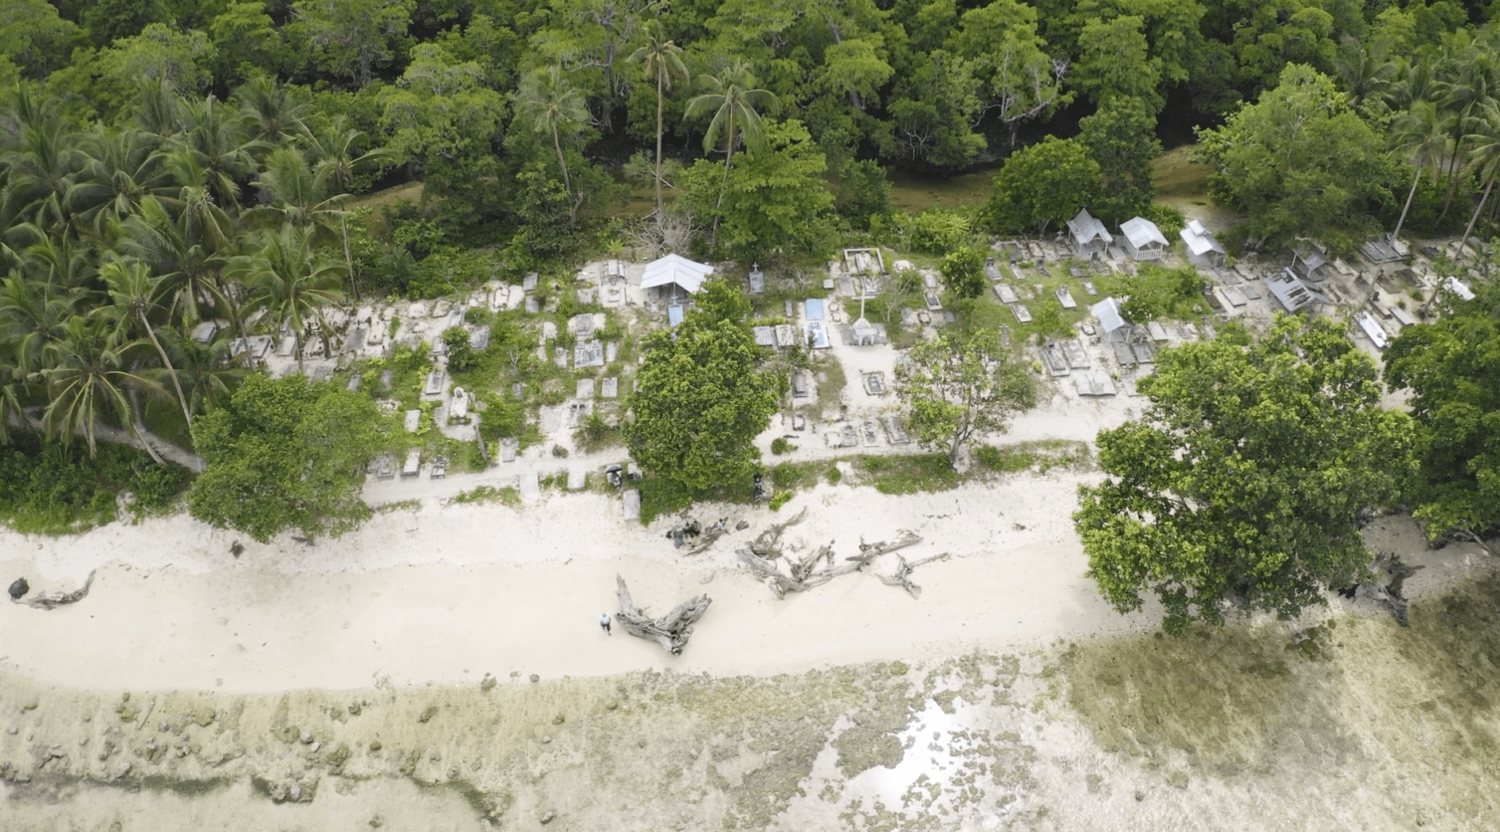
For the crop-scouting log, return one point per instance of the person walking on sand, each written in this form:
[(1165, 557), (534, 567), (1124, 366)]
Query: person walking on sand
[(604, 623)]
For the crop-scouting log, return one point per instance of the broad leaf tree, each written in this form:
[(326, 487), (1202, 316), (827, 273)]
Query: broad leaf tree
[(959, 389), (1043, 186), (288, 454), (1239, 486), (700, 400), (1452, 370), (1298, 158), (774, 198)]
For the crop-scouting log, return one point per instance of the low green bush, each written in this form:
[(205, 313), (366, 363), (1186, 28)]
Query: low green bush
[(53, 489)]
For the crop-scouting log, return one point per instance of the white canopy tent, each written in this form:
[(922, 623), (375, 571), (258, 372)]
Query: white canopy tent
[(674, 270)]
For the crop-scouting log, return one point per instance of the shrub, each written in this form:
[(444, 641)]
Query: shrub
[(779, 499), (834, 475), (779, 446)]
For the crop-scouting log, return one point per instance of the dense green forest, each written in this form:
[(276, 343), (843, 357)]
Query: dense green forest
[(169, 162)]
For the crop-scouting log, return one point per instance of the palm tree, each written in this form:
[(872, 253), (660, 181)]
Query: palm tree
[(1365, 70), (86, 376), (32, 315), (38, 152), (1420, 135), (218, 148), (186, 254), (287, 279), (1485, 154), (208, 371), (134, 292), (271, 116), (1473, 82), (552, 104), (662, 60), (335, 160), (122, 167), (733, 100)]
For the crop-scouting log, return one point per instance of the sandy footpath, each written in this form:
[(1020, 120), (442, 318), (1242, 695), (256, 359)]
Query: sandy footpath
[(447, 594)]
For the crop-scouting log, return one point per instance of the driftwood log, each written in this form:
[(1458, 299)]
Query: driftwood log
[(708, 537), (902, 576), (671, 631), (53, 600), (803, 574), (1392, 594), (767, 544)]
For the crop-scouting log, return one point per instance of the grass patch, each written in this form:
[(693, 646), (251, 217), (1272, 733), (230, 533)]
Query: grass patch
[(1041, 455), (907, 473), (399, 505), (793, 476), (56, 489), (831, 383), (913, 192), (489, 494), (660, 496)]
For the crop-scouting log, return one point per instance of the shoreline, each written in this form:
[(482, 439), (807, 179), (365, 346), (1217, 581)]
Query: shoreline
[(430, 597)]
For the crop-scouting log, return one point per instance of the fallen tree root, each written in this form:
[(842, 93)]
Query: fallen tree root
[(803, 574), (671, 631), (53, 600), (902, 575), (767, 544)]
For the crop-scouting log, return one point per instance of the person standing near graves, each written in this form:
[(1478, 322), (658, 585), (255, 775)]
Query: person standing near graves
[(604, 623)]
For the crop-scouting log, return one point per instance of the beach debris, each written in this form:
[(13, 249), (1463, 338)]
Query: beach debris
[(671, 631), (767, 544), (803, 573), (53, 600), (1392, 594), (706, 537), (902, 575), (18, 589)]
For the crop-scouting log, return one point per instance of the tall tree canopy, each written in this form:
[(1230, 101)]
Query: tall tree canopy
[(700, 400), (1452, 369), (288, 454), (1239, 486), (1297, 159)]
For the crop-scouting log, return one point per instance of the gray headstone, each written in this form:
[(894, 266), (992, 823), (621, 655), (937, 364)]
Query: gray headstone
[(577, 476), (532, 307), (632, 505), (413, 420), (609, 388), (508, 448), (585, 388), (530, 488)]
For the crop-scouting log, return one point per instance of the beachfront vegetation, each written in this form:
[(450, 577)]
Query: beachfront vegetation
[(1452, 370), (172, 168), (958, 388), (700, 400), (288, 454), (1239, 487)]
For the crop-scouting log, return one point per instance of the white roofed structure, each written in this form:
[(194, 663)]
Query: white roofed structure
[(1109, 314), (1143, 240), (1202, 248), (1088, 235), (675, 270)]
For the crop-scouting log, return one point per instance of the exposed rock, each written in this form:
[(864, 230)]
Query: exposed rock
[(376, 745), (742, 525), (19, 589), (427, 713), (204, 715), (306, 737), (535, 678), (488, 683), (355, 709), (548, 818)]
